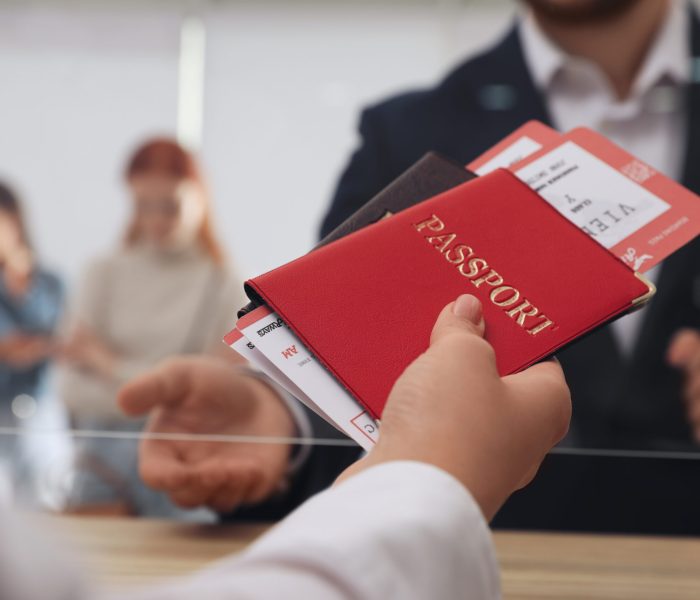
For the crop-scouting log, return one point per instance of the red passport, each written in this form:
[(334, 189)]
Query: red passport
[(365, 304)]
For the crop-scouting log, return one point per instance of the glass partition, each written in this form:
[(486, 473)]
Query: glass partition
[(267, 97)]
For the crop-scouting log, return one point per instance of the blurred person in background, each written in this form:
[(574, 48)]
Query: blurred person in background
[(165, 290), (622, 67), (30, 305)]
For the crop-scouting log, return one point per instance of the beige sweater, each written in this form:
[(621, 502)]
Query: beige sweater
[(147, 304)]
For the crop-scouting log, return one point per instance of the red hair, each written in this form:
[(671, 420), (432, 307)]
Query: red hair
[(164, 156)]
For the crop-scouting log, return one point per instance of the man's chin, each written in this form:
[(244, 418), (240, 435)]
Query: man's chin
[(580, 11)]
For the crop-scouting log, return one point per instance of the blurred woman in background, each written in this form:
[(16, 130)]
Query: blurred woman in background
[(164, 291), (30, 305)]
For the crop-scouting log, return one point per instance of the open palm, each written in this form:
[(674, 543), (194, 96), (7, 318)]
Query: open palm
[(191, 397)]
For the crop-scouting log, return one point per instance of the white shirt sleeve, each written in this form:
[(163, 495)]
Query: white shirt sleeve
[(402, 530)]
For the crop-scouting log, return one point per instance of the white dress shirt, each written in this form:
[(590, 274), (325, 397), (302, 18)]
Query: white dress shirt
[(650, 123), (402, 530)]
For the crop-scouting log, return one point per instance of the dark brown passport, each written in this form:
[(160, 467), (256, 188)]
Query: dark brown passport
[(430, 176)]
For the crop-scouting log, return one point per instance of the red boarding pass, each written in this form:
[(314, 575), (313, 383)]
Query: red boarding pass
[(628, 207)]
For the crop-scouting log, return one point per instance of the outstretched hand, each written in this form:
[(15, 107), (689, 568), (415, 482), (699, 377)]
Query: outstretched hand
[(192, 396), (450, 408)]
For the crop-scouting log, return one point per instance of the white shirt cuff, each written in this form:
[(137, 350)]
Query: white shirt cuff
[(301, 419)]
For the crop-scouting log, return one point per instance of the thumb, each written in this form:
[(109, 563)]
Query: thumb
[(464, 315)]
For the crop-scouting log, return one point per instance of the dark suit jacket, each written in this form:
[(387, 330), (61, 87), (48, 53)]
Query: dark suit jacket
[(619, 403)]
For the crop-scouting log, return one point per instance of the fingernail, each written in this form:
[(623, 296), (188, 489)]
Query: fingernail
[(467, 307)]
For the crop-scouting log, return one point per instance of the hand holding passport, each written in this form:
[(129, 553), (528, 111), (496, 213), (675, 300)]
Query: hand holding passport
[(548, 245)]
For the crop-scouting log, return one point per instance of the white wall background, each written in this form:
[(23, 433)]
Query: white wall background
[(80, 86), (78, 89)]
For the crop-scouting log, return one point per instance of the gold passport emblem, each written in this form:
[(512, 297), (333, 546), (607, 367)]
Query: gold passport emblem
[(479, 273)]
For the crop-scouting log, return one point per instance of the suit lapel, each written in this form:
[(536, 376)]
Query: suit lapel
[(495, 92), (507, 73)]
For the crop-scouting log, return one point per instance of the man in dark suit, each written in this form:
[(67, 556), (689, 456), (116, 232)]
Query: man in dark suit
[(622, 399), (630, 401), (624, 393)]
